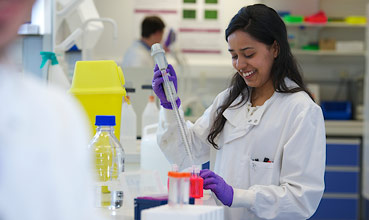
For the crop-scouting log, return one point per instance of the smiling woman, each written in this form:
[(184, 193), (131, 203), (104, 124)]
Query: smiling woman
[(258, 43), (254, 61), (264, 130)]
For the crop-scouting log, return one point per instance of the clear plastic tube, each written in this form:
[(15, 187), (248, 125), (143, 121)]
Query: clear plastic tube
[(171, 91)]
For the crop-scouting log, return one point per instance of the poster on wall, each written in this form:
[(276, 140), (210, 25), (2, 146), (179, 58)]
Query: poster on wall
[(199, 30)]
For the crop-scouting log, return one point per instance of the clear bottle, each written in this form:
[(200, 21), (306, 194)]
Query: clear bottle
[(108, 159), (150, 114), (128, 125)]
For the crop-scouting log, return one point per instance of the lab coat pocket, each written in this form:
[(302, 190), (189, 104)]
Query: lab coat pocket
[(260, 173)]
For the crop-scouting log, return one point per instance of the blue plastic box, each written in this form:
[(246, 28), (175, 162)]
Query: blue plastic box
[(336, 110)]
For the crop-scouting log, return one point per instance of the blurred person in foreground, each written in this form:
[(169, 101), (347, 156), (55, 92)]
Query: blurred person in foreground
[(44, 164)]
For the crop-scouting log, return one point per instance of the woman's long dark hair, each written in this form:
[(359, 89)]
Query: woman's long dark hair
[(264, 25)]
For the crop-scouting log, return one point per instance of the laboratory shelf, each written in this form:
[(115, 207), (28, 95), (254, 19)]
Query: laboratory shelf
[(327, 52), (328, 24), (353, 128)]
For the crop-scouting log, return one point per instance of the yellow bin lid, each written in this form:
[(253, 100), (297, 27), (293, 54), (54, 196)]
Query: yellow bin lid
[(97, 77)]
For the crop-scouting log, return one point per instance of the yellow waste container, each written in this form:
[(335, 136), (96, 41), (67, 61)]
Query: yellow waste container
[(98, 85)]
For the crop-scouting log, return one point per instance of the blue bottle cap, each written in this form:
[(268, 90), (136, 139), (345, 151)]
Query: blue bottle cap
[(107, 120)]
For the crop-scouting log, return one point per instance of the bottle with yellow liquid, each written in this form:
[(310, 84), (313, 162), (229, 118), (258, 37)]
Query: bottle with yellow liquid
[(108, 161)]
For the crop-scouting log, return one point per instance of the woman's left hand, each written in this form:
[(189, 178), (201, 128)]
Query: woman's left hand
[(217, 185)]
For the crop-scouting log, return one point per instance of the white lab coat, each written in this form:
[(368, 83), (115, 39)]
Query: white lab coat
[(44, 160), (288, 129), (138, 55)]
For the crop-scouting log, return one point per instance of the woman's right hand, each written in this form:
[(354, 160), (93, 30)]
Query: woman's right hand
[(158, 86)]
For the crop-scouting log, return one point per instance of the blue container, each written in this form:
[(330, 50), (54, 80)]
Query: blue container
[(336, 110)]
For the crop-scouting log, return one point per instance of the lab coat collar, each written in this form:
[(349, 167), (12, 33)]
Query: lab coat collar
[(237, 115), (289, 83)]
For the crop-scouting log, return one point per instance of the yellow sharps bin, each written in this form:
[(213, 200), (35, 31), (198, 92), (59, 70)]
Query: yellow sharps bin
[(98, 85)]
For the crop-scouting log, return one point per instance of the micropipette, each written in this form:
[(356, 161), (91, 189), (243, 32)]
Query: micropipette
[(170, 92)]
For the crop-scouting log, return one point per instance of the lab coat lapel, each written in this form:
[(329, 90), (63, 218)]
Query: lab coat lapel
[(237, 125)]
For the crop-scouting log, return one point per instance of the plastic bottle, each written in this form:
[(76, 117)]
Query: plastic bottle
[(108, 159), (56, 75), (150, 114), (303, 37), (179, 188), (128, 125)]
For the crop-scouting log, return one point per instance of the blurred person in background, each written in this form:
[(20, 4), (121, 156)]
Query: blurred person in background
[(44, 163), (139, 53)]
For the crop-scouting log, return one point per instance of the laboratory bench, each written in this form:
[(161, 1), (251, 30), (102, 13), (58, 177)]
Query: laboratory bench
[(342, 196), (127, 213)]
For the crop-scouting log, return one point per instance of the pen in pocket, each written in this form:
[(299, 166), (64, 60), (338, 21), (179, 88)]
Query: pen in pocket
[(266, 160)]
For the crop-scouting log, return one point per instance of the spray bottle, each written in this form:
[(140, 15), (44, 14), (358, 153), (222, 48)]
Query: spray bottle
[(55, 73)]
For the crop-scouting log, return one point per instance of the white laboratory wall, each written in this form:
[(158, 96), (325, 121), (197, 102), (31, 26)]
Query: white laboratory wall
[(41, 14), (122, 13), (211, 71), (298, 7), (327, 70)]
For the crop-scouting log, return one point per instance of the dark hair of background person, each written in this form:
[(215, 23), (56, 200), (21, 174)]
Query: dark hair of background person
[(264, 25), (151, 25)]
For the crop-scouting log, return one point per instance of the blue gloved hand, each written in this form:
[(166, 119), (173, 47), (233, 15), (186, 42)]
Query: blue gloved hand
[(158, 86), (217, 185)]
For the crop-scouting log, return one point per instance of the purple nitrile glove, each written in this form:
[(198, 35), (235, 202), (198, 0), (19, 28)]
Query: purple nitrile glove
[(157, 86), (217, 185)]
